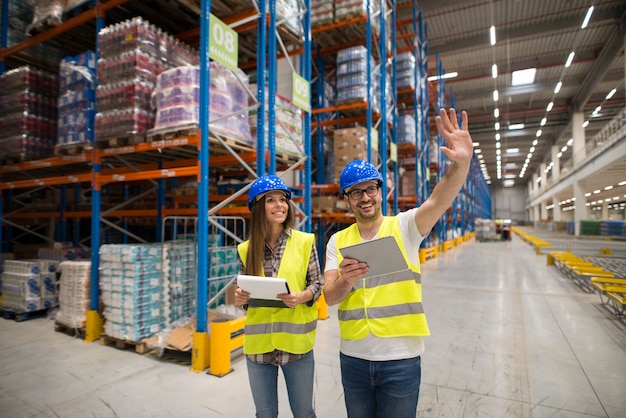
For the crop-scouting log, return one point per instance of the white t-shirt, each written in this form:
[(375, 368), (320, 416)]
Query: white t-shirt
[(374, 348)]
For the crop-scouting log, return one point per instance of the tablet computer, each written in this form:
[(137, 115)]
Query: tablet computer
[(382, 255), (263, 290)]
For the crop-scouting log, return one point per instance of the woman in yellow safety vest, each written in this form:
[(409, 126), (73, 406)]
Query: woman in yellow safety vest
[(279, 336)]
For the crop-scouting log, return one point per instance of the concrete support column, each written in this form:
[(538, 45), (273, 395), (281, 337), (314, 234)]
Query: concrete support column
[(534, 182), (556, 164), (580, 205), (605, 211), (536, 217), (556, 212), (579, 150), (544, 211)]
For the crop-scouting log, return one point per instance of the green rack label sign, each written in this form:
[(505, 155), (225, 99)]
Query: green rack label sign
[(394, 152), (223, 43), (301, 92)]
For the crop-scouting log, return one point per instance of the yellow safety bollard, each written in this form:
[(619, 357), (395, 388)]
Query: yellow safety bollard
[(94, 326), (322, 307), (200, 354), (222, 344)]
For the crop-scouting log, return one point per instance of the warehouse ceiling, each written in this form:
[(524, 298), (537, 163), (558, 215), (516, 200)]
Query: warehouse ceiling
[(536, 34), (529, 34)]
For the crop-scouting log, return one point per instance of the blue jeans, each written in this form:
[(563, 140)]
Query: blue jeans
[(299, 379), (381, 389)]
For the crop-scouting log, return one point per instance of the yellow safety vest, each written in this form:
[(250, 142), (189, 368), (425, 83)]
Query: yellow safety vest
[(389, 305), (286, 329)]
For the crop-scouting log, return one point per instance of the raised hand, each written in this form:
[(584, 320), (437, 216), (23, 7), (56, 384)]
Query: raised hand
[(459, 146)]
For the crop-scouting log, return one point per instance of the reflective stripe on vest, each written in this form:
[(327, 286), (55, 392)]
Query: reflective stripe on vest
[(389, 305), (288, 329)]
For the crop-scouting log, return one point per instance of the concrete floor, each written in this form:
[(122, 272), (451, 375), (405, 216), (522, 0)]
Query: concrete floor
[(510, 338)]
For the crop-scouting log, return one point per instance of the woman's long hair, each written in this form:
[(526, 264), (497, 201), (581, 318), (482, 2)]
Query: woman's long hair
[(258, 231)]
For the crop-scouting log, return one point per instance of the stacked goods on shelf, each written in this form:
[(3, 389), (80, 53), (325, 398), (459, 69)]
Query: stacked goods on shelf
[(48, 13), (176, 99), (181, 270), (352, 77), (349, 9), (19, 17), (223, 267), (405, 71), (28, 113), (290, 12), (349, 144), (77, 99), (613, 228), (407, 129), (132, 54), (134, 293), (590, 227), (63, 252), (322, 12), (408, 186), (288, 126), (74, 294), (29, 285)]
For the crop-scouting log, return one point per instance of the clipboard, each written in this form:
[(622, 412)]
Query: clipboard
[(382, 255), (263, 290)]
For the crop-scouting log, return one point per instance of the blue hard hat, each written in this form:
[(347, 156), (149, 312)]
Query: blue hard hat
[(356, 172), (266, 184)]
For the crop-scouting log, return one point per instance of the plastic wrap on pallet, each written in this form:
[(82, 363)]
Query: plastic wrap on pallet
[(74, 293)]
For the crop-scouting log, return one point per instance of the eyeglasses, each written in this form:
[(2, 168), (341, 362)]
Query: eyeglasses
[(357, 194)]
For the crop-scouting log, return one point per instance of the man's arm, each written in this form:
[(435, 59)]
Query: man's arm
[(459, 149), (338, 283)]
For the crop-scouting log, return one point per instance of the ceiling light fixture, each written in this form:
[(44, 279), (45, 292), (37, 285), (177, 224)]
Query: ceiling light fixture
[(496, 112), (492, 35), (523, 77), (516, 126), (587, 18), (585, 124), (494, 71), (443, 77), (495, 95), (569, 59), (558, 86), (611, 94), (550, 106), (543, 122)]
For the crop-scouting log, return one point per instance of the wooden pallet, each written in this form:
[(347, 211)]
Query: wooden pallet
[(120, 141), (72, 332), (139, 346), (22, 316), (163, 134), (73, 149)]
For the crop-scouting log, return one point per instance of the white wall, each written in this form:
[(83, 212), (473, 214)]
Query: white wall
[(509, 203)]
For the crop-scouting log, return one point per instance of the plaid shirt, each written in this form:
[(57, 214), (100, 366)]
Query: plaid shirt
[(313, 283)]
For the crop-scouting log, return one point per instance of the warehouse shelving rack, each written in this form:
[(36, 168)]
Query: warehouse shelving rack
[(88, 168)]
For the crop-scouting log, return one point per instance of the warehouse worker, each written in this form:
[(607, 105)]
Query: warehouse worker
[(276, 336), (381, 319)]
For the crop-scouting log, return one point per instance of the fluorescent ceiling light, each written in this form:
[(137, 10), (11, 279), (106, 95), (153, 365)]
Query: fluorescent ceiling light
[(443, 77), (494, 71), (497, 126), (535, 142), (476, 144), (585, 124), (596, 110), (611, 94), (523, 77), (569, 59), (497, 145), (608, 187), (587, 18), (622, 183), (512, 150), (564, 148), (495, 95), (508, 183), (550, 106), (496, 112), (557, 89), (538, 134), (570, 142), (516, 126), (543, 122), (492, 35), (498, 136)]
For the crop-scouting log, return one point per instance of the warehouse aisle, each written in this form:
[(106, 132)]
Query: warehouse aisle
[(511, 338)]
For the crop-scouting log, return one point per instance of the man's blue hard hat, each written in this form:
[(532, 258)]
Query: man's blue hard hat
[(266, 184), (356, 172)]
